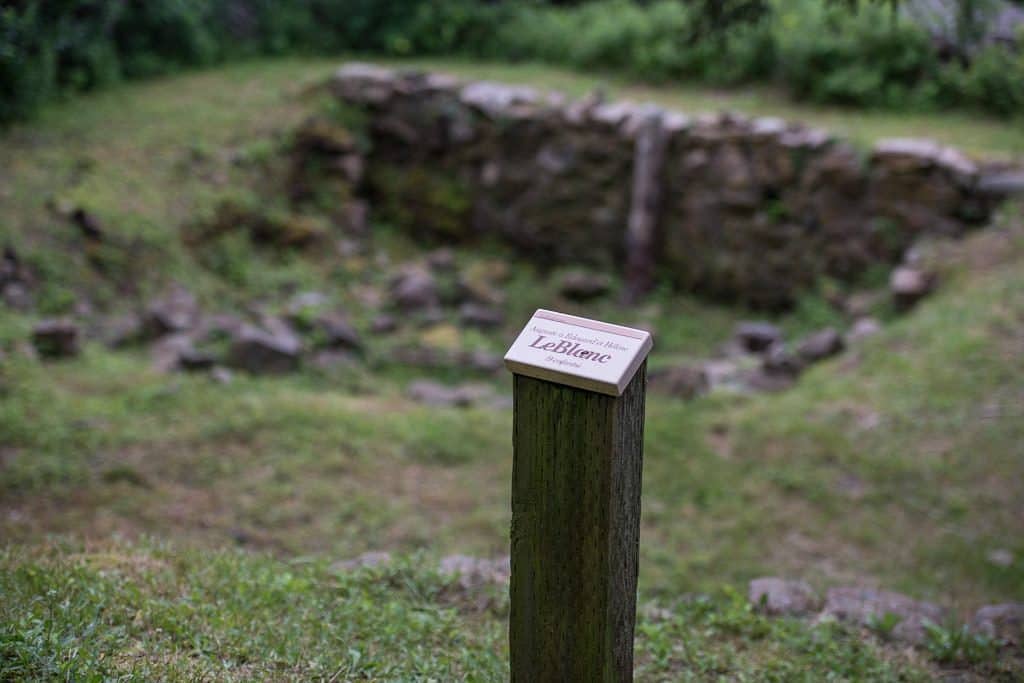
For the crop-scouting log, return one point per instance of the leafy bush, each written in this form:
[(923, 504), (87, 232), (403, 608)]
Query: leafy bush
[(821, 50)]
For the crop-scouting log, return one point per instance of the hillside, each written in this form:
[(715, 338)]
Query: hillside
[(174, 525)]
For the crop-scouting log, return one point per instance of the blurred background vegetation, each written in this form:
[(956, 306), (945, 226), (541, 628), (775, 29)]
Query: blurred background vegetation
[(897, 54)]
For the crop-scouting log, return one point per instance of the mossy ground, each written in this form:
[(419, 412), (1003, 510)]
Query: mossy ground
[(167, 526)]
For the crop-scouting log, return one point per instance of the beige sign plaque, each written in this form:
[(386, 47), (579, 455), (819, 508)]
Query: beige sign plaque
[(582, 353)]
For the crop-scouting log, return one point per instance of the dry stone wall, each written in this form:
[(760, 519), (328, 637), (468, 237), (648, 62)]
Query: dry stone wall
[(753, 210)]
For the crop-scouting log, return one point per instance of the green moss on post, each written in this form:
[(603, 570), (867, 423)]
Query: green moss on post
[(575, 531)]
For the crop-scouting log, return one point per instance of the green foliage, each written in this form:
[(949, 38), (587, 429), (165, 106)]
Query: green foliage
[(860, 54), (957, 644)]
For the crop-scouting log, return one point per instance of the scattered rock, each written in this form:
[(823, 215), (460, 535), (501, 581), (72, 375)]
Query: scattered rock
[(415, 289), (168, 351), (479, 315), (473, 573), (780, 362), (300, 305), (384, 324), (327, 360), (820, 345), (683, 381), (16, 295), (1000, 557), (365, 561), (174, 311), (862, 329), (56, 338), (442, 259), (123, 330), (221, 375), (337, 332), (193, 359), (437, 394), (581, 285), (261, 351), (864, 605), (757, 337), (910, 285), (1003, 622), (781, 596)]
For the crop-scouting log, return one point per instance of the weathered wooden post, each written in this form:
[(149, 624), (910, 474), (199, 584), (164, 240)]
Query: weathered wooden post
[(578, 441)]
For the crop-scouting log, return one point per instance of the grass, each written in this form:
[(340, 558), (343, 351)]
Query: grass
[(898, 464), (149, 612)]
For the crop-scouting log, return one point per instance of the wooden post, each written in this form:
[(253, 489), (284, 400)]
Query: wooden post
[(575, 500)]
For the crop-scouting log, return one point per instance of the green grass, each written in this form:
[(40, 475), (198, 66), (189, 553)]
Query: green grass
[(150, 612), (898, 464)]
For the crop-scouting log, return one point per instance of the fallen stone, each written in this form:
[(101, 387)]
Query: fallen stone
[(17, 296), (221, 375), (337, 332), (261, 351), (757, 337), (910, 285), (415, 289), (437, 394), (176, 310), (365, 561), (327, 360), (1003, 622), (473, 573), (1002, 183), (1000, 557), (384, 324), (862, 329), (56, 338), (123, 330), (781, 596), (193, 359), (683, 381), (478, 315), (442, 260), (168, 351), (865, 605), (780, 362), (584, 286), (820, 345), (303, 303)]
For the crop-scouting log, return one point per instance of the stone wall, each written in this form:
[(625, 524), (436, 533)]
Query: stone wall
[(752, 210)]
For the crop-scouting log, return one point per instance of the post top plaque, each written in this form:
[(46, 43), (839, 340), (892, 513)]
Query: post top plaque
[(582, 353)]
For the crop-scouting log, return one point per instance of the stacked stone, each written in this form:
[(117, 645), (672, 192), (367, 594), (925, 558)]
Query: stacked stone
[(754, 210)]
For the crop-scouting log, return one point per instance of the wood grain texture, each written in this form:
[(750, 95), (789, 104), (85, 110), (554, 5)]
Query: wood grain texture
[(575, 531)]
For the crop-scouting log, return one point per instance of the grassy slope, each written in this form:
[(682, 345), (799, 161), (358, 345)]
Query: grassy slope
[(899, 464)]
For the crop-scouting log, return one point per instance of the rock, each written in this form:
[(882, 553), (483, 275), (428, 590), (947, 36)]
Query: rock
[(756, 336), (384, 324), (478, 315), (168, 350), (683, 381), (780, 362), (1000, 557), (328, 360), (302, 303), (473, 573), (415, 289), (1004, 622), (365, 561), (261, 351), (581, 285), (174, 311), (337, 332), (820, 345), (56, 338), (781, 596), (16, 295), (221, 375), (193, 359), (910, 285), (123, 330), (864, 605), (1002, 183), (437, 394), (862, 329), (442, 260)]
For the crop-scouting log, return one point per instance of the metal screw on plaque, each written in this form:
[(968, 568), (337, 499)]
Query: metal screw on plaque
[(578, 444)]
